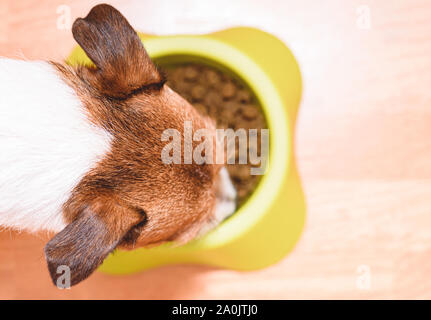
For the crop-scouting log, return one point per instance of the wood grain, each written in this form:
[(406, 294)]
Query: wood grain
[(362, 146)]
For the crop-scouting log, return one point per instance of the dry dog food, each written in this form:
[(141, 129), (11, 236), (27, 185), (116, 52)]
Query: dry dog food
[(229, 102)]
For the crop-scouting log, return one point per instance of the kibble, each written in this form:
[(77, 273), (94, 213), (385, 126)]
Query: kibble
[(250, 111), (213, 100), (198, 92), (243, 96), (212, 77), (228, 90), (230, 103), (201, 108), (190, 73)]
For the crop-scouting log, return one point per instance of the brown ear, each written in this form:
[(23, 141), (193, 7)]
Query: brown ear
[(122, 64), (86, 242)]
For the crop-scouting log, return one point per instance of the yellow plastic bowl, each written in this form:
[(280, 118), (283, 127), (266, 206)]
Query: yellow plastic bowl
[(269, 224)]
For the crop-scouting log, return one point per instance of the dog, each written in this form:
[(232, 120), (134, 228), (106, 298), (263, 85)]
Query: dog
[(80, 152)]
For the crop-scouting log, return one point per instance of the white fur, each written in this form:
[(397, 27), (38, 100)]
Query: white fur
[(47, 145), (226, 203)]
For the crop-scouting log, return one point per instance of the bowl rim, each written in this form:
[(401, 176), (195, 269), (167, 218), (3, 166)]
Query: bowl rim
[(228, 56)]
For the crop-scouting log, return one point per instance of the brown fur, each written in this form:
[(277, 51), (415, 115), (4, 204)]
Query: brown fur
[(114, 47), (131, 198)]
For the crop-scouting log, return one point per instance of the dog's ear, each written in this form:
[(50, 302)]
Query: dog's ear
[(83, 244), (122, 64)]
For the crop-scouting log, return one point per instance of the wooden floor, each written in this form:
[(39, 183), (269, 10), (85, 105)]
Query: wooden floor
[(363, 147)]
